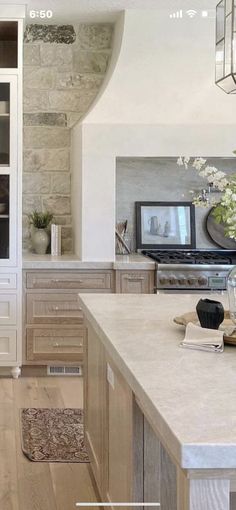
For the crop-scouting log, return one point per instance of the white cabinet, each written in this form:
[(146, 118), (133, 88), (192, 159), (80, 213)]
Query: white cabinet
[(8, 345), (8, 310), (11, 49)]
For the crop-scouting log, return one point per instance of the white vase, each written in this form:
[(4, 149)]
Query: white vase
[(40, 240)]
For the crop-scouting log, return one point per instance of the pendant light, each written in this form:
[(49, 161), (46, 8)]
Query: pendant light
[(226, 46)]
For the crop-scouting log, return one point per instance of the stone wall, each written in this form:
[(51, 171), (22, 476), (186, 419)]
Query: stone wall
[(64, 67)]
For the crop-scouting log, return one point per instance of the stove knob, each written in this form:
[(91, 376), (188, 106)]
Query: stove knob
[(172, 279), (182, 280), (191, 280), (163, 280), (202, 280)]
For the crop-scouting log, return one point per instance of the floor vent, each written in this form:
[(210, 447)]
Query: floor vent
[(51, 370)]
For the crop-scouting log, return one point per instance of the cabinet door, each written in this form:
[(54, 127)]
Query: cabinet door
[(8, 169), (7, 345), (7, 309), (8, 281), (119, 437), (95, 404), (135, 282)]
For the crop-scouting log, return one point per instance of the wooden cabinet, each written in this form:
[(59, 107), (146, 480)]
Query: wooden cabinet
[(95, 405), (108, 422), (128, 460), (135, 282), (52, 308), (54, 344), (119, 462), (80, 280), (54, 328)]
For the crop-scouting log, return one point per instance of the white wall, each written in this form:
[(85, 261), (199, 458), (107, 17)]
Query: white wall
[(161, 100)]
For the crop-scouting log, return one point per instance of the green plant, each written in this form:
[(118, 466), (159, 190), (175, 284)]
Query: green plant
[(40, 219)]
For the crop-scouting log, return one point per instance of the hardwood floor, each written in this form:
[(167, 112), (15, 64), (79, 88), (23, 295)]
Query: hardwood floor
[(26, 485)]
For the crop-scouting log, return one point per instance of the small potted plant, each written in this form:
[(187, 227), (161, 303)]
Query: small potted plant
[(40, 222)]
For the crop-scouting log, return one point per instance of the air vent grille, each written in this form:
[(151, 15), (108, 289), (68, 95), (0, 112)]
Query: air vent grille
[(58, 370)]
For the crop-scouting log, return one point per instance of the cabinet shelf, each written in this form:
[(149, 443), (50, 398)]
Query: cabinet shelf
[(4, 216)]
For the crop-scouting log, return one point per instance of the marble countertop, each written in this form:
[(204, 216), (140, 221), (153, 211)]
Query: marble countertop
[(133, 261), (189, 396)]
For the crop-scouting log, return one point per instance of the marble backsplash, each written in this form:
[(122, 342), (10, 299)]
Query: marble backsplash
[(160, 179)]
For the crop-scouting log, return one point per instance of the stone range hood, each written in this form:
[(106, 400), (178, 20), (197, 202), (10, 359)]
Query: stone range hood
[(158, 99)]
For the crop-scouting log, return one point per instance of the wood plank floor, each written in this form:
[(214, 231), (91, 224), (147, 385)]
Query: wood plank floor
[(26, 485)]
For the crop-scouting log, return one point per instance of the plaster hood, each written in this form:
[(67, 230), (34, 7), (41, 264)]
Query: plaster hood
[(158, 99)]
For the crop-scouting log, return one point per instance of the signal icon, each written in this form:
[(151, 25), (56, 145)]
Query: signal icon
[(191, 13), (178, 14)]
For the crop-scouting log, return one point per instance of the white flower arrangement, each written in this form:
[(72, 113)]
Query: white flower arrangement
[(225, 209)]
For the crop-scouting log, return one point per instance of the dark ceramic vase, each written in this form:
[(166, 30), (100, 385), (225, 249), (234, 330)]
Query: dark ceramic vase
[(210, 313)]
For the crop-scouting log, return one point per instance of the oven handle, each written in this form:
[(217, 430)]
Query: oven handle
[(190, 291)]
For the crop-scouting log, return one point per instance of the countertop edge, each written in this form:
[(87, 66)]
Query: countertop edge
[(122, 263)]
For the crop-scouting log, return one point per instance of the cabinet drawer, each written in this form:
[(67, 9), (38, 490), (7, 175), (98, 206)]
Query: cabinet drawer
[(54, 344), (135, 282), (70, 280), (53, 309), (7, 309), (7, 345), (8, 281)]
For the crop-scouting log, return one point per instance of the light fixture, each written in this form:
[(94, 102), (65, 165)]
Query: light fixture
[(226, 46)]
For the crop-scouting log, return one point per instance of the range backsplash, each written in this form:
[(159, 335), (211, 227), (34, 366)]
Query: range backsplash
[(160, 179)]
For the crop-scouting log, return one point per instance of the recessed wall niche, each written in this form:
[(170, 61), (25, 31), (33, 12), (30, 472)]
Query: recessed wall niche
[(161, 179)]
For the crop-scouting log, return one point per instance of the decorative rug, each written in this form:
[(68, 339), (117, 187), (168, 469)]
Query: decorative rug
[(53, 435)]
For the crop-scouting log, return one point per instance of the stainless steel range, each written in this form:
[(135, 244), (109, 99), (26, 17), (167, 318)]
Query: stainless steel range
[(192, 270)]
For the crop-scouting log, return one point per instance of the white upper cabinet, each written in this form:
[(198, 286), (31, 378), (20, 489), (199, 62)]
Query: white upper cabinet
[(11, 48)]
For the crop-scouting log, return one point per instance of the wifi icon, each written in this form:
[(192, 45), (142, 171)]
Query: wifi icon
[(191, 13)]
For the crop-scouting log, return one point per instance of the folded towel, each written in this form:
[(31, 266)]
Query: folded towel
[(203, 339)]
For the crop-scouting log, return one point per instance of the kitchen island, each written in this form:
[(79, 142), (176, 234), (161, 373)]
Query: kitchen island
[(136, 373)]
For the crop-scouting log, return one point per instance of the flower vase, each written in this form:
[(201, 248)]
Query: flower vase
[(40, 240)]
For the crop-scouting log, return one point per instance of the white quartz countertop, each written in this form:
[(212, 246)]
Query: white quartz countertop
[(133, 261), (189, 396)]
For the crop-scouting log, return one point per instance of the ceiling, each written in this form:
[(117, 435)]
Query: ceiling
[(67, 11)]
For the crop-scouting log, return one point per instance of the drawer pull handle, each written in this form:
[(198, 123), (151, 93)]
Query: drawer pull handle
[(58, 309), (56, 345), (57, 280), (134, 278)]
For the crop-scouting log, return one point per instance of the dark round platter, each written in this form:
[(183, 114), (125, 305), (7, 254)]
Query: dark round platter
[(217, 233)]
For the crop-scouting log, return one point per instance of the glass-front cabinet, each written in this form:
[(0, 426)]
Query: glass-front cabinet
[(11, 57), (8, 44), (8, 168)]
